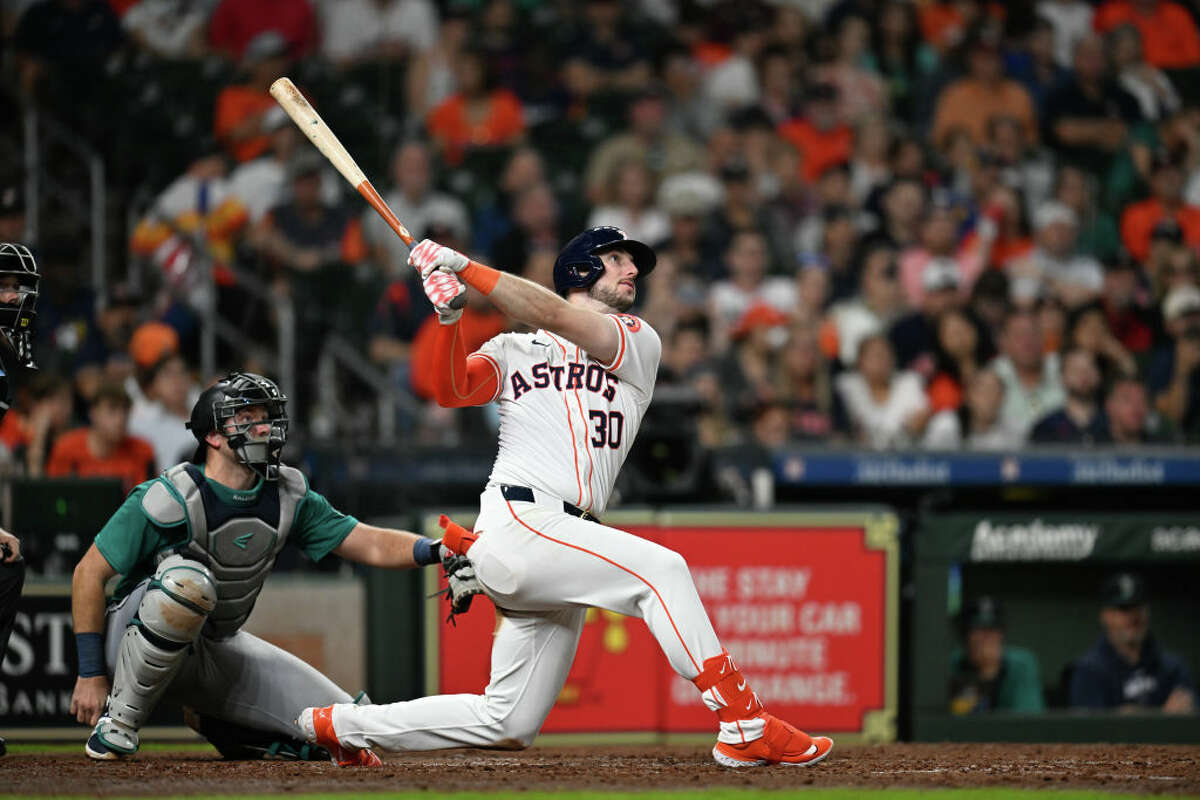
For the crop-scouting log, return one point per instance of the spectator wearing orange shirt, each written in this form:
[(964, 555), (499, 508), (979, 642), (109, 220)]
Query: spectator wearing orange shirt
[(105, 448), (822, 140), (478, 115), (1169, 36), (1165, 202), (241, 122), (972, 101)]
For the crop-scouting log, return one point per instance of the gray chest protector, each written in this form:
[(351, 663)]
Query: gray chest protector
[(238, 544)]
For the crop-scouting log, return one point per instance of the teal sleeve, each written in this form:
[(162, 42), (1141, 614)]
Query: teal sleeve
[(319, 527), (1023, 689), (128, 538)]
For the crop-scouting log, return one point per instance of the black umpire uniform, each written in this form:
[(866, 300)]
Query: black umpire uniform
[(18, 309)]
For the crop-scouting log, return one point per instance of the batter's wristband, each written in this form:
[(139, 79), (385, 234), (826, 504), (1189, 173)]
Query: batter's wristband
[(90, 647), (425, 551), (479, 276)]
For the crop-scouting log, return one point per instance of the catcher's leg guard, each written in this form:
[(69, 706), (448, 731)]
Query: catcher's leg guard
[(169, 618)]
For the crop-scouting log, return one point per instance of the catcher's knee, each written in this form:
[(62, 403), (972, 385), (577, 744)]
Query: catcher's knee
[(181, 596)]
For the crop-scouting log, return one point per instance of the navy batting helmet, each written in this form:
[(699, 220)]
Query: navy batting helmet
[(578, 266), (219, 403)]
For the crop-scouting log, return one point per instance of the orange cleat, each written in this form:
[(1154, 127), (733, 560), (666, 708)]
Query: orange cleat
[(317, 724), (780, 743)]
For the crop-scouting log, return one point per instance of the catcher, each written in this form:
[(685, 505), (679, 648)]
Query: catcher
[(194, 547)]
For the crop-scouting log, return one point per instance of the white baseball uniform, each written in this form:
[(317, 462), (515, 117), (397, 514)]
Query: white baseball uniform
[(567, 422)]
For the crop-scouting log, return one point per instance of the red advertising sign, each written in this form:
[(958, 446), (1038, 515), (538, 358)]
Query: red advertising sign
[(806, 609)]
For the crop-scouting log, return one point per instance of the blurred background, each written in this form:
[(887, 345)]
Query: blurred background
[(940, 256)]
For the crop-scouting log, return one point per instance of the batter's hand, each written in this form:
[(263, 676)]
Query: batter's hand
[(429, 256), (443, 289), (87, 702)]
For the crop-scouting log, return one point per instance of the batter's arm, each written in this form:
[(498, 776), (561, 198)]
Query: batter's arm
[(379, 547), (87, 613), (538, 306), (462, 381), (524, 300)]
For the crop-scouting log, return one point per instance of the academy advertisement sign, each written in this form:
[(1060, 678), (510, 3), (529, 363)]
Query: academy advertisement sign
[(1060, 537), (804, 603)]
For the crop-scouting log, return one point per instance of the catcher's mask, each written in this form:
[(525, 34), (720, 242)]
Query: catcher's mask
[(216, 411), (18, 300)]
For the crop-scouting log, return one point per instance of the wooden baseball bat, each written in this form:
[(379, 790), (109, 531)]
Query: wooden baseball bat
[(309, 121)]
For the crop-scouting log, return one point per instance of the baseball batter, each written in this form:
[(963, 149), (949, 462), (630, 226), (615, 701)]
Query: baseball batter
[(571, 398), (194, 547)]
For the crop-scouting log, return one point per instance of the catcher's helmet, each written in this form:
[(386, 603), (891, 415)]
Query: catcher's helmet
[(578, 266), (18, 300), (218, 404)]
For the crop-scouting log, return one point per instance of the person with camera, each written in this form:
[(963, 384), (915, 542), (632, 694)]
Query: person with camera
[(1174, 373)]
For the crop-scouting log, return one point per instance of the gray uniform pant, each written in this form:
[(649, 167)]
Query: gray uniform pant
[(241, 679)]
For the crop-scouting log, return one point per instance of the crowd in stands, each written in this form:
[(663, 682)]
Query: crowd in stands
[(879, 223)]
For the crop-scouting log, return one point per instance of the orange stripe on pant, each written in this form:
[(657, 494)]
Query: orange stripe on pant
[(649, 585)]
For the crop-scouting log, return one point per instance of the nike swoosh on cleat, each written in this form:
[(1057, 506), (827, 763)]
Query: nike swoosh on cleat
[(741, 686), (722, 672), (749, 704)]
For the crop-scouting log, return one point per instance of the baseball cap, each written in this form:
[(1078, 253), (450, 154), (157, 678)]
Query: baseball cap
[(1168, 229), (268, 44), (1123, 590), (1180, 301), (759, 315), (939, 274), (151, 341), (983, 612), (12, 199), (306, 162), (1052, 212)]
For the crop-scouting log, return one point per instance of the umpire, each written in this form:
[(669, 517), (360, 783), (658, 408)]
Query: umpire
[(18, 304)]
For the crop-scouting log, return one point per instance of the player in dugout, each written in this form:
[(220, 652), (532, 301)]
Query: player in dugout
[(193, 547), (571, 397), (19, 279)]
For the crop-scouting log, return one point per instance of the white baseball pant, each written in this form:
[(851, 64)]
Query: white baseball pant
[(543, 568)]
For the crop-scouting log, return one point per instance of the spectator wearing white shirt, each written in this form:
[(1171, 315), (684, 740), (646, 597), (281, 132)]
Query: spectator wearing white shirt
[(1149, 85), (168, 393), (261, 184), (376, 30), (415, 202), (629, 205), (170, 29), (877, 305), (1032, 384), (977, 424), (1071, 20), (885, 408), (747, 285), (1055, 262)]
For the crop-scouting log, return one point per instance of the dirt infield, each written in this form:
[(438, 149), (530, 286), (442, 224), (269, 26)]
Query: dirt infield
[(1145, 769)]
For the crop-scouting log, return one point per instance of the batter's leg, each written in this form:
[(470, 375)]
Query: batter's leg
[(555, 557), (531, 656)]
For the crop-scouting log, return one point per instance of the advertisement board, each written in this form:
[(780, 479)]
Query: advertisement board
[(805, 602)]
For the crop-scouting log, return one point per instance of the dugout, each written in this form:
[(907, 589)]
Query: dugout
[(1046, 568)]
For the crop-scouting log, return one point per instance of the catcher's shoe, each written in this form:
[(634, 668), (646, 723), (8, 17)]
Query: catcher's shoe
[(317, 726), (110, 740), (780, 743)]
